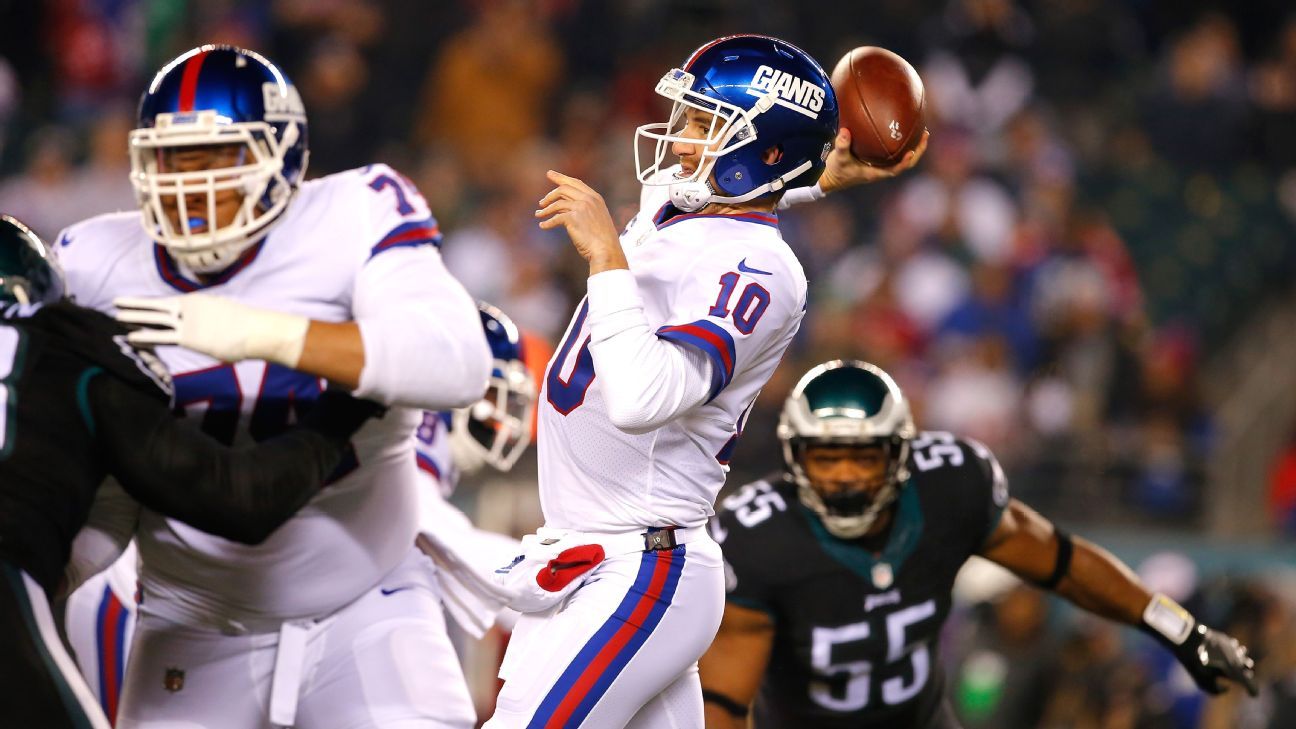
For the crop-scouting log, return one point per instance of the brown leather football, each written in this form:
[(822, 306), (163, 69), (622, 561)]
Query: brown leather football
[(881, 100)]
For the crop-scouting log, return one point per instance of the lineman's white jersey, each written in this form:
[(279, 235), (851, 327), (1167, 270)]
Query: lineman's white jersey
[(356, 245), (727, 286)]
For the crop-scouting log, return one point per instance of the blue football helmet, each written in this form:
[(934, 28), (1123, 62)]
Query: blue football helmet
[(847, 403), (496, 429), (762, 93), (29, 273), (240, 108)]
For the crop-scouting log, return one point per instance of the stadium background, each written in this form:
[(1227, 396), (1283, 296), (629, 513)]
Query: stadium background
[(1090, 271)]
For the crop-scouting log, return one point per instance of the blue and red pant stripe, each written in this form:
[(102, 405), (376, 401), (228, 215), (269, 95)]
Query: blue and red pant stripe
[(110, 636), (616, 642)]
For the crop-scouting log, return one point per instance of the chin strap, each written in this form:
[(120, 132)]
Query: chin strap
[(691, 197), (694, 195)]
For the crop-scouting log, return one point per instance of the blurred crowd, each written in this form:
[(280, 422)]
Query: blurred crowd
[(1110, 188), (1109, 192)]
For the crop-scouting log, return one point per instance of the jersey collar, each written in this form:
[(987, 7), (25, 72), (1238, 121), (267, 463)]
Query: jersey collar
[(669, 215), (171, 273), (905, 533)]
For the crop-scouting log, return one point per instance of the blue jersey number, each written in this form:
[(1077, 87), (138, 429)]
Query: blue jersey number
[(403, 188), (285, 395), (751, 306), (567, 395)]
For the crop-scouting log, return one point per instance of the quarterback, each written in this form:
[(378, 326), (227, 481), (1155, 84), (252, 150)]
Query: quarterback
[(687, 314)]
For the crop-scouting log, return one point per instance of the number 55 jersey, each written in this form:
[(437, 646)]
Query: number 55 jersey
[(857, 630), (358, 245)]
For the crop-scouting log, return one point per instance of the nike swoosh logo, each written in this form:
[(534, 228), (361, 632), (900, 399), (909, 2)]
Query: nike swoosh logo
[(742, 266), (394, 590)]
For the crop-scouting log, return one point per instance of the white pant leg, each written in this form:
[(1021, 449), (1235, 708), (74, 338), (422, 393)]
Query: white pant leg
[(388, 661), (632, 630), (180, 677), (678, 706), (99, 620), (382, 661)]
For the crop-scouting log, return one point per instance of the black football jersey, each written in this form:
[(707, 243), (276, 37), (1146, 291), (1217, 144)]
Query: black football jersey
[(857, 632), (50, 466)]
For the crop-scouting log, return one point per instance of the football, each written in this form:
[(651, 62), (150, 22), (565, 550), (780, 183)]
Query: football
[(881, 100)]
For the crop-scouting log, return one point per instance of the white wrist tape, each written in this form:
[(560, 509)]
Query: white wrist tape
[(274, 336), (1168, 618), (798, 195)]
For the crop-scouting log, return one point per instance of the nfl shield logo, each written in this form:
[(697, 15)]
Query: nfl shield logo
[(173, 681)]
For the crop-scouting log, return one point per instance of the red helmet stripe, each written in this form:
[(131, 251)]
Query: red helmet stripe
[(189, 83), (689, 63)]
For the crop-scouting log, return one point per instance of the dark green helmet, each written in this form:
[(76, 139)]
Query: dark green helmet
[(847, 403), (28, 272)]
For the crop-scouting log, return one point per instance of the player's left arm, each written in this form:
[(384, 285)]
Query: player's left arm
[(648, 382), (651, 377), (416, 339), (1092, 578), (412, 318)]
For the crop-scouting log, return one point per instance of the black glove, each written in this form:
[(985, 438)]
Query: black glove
[(337, 414), (1209, 655)]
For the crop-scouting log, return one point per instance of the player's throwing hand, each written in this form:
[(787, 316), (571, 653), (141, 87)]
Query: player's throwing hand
[(846, 170), (578, 208)]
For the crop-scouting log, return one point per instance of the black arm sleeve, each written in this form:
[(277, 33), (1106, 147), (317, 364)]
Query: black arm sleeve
[(242, 494)]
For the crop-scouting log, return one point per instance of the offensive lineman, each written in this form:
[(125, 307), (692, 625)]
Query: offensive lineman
[(842, 567), (80, 404), (686, 316), (334, 621)]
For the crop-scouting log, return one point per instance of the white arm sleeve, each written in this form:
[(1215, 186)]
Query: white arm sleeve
[(647, 381), (423, 341), (105, 535), (798, 195)]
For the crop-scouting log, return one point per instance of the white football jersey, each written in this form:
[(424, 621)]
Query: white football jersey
[(340, 239), (726, 285), (432, 451)]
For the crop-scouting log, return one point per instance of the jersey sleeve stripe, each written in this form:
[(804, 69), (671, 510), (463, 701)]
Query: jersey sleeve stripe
[(426, 463), (716, 343), (417, 233)]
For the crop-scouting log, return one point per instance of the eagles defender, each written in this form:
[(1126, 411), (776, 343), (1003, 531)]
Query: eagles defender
[(81, 404), (841, 567)]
